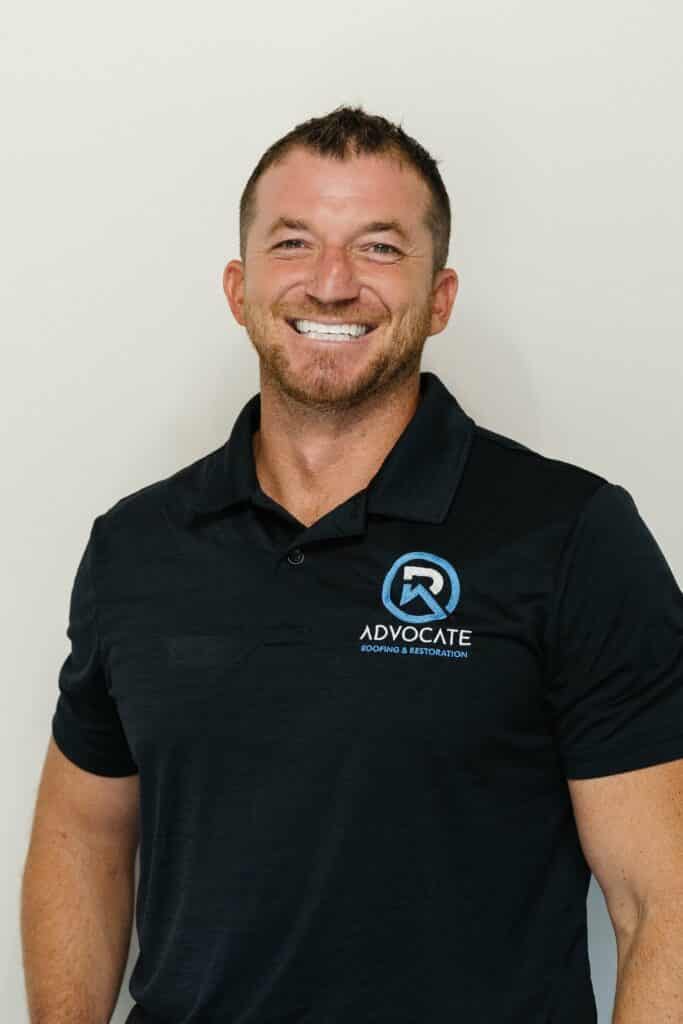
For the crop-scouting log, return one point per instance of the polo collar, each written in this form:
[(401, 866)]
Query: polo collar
[(417, 480)]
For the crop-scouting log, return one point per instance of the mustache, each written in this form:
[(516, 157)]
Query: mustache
[(311, 314)]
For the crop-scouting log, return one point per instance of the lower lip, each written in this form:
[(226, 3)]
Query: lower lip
[(334, 338)]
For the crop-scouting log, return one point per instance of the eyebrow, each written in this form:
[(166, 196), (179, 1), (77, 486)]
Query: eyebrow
[(374, 226)]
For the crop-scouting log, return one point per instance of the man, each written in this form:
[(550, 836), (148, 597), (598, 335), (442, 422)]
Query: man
[(390, 684)]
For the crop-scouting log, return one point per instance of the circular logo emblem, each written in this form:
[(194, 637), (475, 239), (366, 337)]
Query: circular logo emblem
[(421, 587)]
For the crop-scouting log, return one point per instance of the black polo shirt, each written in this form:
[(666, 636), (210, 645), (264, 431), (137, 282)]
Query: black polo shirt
[(354, 738)]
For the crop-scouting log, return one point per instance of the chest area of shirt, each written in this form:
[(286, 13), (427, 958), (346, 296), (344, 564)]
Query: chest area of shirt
[(412, 645)]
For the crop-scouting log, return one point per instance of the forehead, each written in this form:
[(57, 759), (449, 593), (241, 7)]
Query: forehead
[(308, 185)]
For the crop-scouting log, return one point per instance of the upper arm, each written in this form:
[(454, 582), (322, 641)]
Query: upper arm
[(630, 827), (101, 810), (614, 646)]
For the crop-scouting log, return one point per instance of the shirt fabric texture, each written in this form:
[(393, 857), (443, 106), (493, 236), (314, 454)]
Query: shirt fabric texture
[(354, 738)]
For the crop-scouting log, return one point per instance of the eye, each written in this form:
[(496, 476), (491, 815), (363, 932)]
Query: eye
[(384, 245)]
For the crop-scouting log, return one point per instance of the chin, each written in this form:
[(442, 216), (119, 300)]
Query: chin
[(330, 388), (322, 389)]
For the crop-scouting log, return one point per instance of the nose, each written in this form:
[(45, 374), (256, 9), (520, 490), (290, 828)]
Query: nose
[(333, 278)]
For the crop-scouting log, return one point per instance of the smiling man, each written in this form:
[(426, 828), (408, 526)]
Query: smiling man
[(359, 291), (344, 285), (374, 687)]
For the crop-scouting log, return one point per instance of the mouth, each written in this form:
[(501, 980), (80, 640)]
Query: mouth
[(347, 332)]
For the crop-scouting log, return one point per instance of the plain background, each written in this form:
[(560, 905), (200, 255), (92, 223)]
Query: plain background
[(128, 135)]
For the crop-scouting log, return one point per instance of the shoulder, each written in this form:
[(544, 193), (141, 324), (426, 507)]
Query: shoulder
[(142, 515), (524, 482)]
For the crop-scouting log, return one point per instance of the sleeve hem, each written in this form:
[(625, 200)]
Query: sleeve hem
[(86, 760), (668, 748)]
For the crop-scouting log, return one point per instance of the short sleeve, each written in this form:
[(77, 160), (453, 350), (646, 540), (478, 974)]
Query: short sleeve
[(615, 644), (86, 725)]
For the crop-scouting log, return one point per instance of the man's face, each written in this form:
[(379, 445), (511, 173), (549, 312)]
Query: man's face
[(333, 267)]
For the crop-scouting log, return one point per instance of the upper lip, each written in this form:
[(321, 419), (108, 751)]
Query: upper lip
[(321, 320)]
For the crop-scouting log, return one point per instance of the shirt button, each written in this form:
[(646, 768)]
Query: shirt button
[(295, 557)]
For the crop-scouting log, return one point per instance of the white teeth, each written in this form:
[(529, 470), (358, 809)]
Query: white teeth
[(311, 327)]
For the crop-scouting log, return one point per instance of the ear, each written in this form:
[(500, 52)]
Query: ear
[(233, 286), (444, 290)]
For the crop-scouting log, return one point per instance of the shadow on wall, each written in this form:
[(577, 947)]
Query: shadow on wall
[(602, 951)]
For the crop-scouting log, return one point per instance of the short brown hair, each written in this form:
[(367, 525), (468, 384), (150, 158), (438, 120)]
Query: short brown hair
[(350, 131)]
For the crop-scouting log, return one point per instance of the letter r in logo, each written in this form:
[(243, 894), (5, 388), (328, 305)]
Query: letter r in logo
[(406, 569)]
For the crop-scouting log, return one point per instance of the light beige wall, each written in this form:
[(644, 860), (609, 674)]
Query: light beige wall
[(128, 132)]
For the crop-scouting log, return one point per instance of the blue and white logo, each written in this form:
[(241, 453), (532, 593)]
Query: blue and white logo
[(440, 595)]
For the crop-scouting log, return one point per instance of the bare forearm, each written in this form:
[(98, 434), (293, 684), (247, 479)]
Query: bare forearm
[(650, 969), (76, 917)]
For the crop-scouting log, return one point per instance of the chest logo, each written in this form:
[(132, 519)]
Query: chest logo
[(417, 581)]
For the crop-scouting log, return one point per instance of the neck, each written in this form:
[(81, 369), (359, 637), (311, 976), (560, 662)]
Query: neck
[(310, 460)]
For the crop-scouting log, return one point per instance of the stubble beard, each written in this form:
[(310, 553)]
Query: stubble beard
[(322, 386)]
